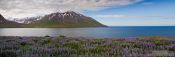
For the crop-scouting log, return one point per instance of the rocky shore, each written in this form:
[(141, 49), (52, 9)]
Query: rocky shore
[(86, 47)]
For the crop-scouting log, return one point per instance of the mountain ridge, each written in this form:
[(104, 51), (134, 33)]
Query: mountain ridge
[(61, 20)]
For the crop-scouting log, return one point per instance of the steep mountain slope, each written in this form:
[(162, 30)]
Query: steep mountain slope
[(66, 19), (7, 23)]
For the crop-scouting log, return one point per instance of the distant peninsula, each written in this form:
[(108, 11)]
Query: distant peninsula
[(68, 19)]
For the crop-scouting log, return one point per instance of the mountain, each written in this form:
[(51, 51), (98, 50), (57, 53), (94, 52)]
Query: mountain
[(53, 20), (7, 23), (27, 20), (2, 20), (66, 19)]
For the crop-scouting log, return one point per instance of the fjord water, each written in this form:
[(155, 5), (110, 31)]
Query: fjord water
[(101, 32)]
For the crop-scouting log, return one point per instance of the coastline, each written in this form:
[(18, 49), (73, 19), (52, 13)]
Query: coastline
[(86, 47)]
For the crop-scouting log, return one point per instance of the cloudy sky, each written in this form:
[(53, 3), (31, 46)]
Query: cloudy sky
[(108, 12)]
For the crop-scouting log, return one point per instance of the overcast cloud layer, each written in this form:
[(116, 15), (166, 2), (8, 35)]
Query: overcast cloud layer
[(28, 8)]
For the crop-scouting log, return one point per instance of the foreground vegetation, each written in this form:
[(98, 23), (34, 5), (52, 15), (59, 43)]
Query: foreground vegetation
[(86, 47)]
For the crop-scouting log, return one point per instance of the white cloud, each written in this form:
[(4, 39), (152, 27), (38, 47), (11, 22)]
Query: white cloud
[(24, 8)]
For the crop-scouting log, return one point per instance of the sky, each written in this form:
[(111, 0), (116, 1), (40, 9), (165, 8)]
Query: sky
[(108, 12)]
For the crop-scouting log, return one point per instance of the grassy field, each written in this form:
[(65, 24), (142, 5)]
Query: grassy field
[(86, 47)]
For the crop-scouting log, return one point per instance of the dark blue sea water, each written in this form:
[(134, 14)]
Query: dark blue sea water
[(102, 32)]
